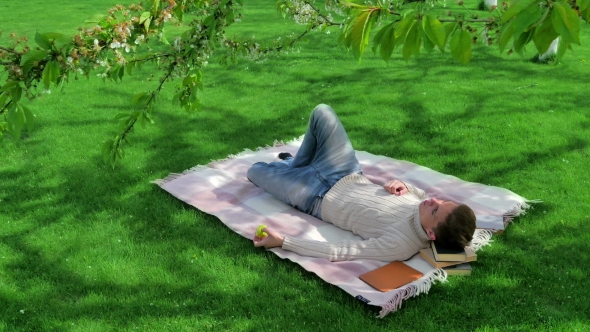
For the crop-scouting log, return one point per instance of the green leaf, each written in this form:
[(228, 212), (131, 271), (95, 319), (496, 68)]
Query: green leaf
[(42, 41), (16, 93), (506, 34), (428, 44), (346, 36), (360, 34), (434, 30), (412, 42), (121, 72), (16, 120), (449, 29), (96, 18), (209, 20), (62, 43), (561, 48), (544, 36), (522, 40), (55, 72), (141, 120), (379, 36), (148, 117), (188, 80), (9, 86), (30, 117), (163, 38), (566, 22), (144, 16), (53, 35), (212, 29), (402, 28), (387, 42), (140, 97), (3, 98), (146, 24), (461, 46), (582, 4), (527, 17), (230, 18), (121, 116), (46, 75), (515, 9), (105, 148), (129, 66)]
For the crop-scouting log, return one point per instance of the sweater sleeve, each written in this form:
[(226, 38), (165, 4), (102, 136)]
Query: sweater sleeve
[(382, 249), (416, 191)]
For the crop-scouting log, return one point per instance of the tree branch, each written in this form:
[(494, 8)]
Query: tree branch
[(152, 57), (5, 107), (10, 50), (326, 20), (471, 20), (152, 96)]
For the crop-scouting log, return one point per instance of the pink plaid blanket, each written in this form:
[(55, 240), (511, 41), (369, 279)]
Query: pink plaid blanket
[(222, 189)]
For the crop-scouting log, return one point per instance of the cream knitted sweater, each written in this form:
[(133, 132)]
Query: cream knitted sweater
[(389, 224)]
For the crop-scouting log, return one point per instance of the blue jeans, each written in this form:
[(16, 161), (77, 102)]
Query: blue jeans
[(325, 156)]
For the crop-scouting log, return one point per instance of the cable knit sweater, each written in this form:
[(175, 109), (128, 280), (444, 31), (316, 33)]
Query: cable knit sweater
[(389, 224)]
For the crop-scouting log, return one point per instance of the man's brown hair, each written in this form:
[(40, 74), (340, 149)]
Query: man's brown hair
[(457, 230)]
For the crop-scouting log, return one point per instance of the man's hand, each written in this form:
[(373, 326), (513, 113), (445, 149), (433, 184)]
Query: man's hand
[(273, 239), (396, 187)]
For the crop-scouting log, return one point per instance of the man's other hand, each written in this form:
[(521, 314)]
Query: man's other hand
[(273, 239), (396, 187)]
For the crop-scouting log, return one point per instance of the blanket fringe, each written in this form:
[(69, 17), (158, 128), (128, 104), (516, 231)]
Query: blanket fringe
[(414, 289), (481, 238), (519, 210)]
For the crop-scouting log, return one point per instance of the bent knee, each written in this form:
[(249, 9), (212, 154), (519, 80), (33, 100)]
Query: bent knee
[(323, 112)]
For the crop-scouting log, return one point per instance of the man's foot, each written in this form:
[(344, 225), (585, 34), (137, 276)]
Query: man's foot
[(285, 155)]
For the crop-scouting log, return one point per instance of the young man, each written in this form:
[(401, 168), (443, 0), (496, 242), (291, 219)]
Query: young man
[(325, 180)]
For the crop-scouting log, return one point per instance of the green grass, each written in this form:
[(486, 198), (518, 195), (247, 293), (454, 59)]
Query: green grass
[(87, 248)]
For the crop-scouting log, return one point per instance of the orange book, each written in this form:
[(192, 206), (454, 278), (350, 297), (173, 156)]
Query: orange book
[(391, 276)]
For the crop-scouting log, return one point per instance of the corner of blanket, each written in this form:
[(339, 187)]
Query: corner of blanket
[(415, 288)]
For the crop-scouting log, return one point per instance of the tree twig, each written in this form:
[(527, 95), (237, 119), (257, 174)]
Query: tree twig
[(526, 86), (152, 96), (5, 107), (152, 57), (326, 20), (10, 50), (470, 20)]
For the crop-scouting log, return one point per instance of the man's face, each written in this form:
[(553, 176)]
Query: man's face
[(433, 211)]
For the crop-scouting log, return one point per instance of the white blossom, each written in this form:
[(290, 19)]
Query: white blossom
[(139, 39)]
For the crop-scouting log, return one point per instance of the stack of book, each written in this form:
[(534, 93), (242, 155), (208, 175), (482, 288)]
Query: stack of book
[(454, 262)]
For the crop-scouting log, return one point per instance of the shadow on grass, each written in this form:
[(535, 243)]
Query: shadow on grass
[(67, 294)]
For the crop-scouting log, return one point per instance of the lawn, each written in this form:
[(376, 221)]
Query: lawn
[(84, 247)]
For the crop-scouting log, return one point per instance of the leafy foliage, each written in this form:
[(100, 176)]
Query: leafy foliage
[(125, 38)]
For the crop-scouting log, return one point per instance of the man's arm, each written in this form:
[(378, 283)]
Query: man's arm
[(387, 250)]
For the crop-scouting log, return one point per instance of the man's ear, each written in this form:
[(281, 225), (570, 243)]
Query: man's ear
[(431, 234)]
